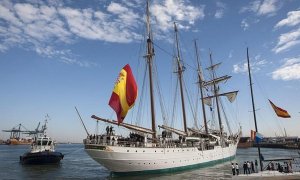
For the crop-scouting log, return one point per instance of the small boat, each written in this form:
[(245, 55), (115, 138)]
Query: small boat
[(42, 150)]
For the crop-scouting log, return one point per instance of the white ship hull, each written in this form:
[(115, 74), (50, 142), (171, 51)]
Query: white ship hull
[(120, 159)]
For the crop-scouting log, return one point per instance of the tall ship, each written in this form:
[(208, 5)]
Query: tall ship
[(147, 151)]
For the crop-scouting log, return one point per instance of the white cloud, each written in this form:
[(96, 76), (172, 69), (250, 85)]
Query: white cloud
[(287, 40), (168, 11), (267, 7), (257, 65), (26, 12), (240, 68), (262, 7), (41, 25), (126, 16), (220, 11), (293, 18), (244, 25), (290, 70)]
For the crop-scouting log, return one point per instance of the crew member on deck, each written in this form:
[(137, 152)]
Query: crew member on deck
[(237, 169), (107, 130), (245, 168), (256, 164), (110, 130), (233, 169)]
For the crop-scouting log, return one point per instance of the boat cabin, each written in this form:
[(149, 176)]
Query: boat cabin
[(43, 143)]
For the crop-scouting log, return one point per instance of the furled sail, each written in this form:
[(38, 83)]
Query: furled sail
[(207, 101), (213, 67), (231, 96), (176, 131), (128, 126), (216, 80)]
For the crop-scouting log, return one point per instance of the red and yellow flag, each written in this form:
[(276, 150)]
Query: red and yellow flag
[(279, 111), (124, 93)]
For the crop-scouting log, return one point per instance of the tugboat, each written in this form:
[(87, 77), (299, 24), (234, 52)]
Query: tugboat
[(42, 149)]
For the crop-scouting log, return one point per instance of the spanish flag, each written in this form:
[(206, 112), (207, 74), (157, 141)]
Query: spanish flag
[(280, 112), (124, 93)]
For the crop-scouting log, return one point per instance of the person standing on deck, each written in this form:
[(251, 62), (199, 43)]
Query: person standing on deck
[(245, 168), (233, 169), (107, 130), (252, 167), (256, 164), (248, 167), (237, 169)]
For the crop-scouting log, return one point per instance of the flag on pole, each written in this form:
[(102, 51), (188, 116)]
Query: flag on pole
[(124, 93), (258, 137), (279, 111)]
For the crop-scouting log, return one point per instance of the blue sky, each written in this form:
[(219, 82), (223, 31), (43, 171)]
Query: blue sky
[(55, 55)]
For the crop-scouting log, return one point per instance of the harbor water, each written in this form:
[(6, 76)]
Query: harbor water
[(78, 165)]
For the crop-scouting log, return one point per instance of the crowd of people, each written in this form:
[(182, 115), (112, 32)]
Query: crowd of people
[(286, 167), (248, 166)]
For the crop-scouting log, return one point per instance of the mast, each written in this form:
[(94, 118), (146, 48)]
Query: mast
[(253, 108), (201, 89), (149, 57), (180, 69), (216, 95)]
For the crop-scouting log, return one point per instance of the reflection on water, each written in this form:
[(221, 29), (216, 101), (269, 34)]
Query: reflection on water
[(78, 165)]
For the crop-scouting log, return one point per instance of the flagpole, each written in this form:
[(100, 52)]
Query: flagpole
[(253, 108)]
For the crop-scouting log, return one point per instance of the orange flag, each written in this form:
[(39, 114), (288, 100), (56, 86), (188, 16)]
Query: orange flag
[(280, 112), (124, 93)]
